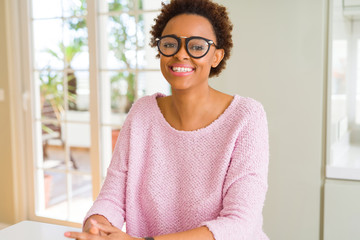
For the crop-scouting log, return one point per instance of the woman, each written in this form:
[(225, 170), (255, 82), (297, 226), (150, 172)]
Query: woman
[(192, 165)]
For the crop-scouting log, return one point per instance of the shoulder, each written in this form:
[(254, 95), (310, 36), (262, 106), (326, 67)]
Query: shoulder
[(249, 107), (239, 105), (247, 111)]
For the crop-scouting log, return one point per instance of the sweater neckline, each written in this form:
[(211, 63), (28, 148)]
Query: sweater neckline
[(207, 128)]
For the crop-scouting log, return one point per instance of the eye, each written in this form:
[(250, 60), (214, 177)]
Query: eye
[(197, 47), (169, 45)]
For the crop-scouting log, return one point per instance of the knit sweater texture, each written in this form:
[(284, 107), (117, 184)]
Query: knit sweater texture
[(162, 180)]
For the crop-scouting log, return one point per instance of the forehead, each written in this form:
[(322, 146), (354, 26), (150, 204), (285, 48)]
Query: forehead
[(188, 25)]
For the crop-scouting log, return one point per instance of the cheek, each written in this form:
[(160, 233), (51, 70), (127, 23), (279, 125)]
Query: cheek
[(205, 62), (163, 63)]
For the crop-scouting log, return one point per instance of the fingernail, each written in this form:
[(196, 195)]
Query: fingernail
[(67, 234)]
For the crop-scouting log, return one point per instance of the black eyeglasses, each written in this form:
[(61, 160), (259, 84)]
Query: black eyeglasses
[(196, 47)]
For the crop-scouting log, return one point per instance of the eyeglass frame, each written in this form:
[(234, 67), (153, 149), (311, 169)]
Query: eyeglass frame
[(187, 40)]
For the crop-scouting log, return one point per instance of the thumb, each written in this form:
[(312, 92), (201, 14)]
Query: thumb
[(103, 227)]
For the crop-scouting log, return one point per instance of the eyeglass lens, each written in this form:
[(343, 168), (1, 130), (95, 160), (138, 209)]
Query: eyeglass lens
[(196, 47)]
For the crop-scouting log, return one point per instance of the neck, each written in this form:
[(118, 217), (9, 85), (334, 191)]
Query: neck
[(190, 107)]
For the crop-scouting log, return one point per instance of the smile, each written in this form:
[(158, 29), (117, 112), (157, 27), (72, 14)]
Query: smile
[(182, 69)]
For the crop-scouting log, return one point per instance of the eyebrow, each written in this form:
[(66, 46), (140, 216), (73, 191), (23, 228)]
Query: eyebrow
[(173, 35)]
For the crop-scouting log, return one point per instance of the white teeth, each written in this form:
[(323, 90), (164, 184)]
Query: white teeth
[(181, 69)]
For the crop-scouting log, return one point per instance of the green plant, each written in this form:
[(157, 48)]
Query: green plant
[(121, 42), (52, 99), (117, 92), (52, 94), (68, 52)]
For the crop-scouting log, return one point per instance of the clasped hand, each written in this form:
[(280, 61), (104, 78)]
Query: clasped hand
[(99, 231)]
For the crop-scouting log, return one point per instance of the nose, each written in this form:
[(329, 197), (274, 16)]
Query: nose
[(182, 53)]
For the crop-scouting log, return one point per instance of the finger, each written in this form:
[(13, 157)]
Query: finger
[(94, 230), (79, 235)]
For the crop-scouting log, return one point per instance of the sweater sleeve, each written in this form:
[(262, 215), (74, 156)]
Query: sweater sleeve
[(245, 184), (110, 202)]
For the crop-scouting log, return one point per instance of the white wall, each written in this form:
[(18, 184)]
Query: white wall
[(278, 59)]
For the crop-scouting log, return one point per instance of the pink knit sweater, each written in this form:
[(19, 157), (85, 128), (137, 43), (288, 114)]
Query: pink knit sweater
[(162, 180)]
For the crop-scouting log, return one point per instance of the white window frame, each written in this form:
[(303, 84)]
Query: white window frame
[(18, 104), (333, 171), (22, 102)]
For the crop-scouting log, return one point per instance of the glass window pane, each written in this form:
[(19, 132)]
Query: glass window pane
[(109, 136), (51, 89), (81, 97), (117, 96), (146, 55), (339, 66), (339, 99), (59, 145), (78, 134), (78, 97), (81, 60), (116, 5), (47, 39), (75, 8), (81, 156), (151, 4), (150, 82), (53, 202), (118, 48), (75, 44), (46, 8), (81, 197), (53, 146), (71, 79), (48, 91), (77, 139)]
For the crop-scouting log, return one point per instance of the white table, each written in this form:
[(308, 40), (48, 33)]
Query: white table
[(29, 230)]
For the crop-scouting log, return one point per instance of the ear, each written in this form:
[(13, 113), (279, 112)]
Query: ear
[(218, 57)]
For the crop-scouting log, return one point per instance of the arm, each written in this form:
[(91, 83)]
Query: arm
[(245, 184), (201, 233), (110, 232), (89, 228), (109, 207)]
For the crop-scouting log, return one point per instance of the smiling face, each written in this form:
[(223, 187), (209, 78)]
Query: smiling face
[(182, 71)]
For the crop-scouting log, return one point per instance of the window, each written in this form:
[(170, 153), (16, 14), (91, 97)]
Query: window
[(90, 61), (343, 142)]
